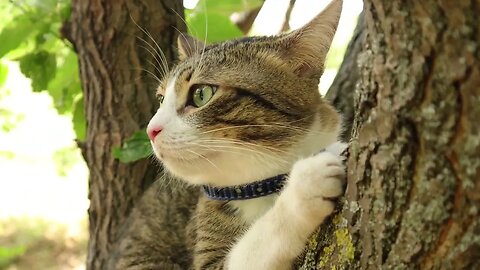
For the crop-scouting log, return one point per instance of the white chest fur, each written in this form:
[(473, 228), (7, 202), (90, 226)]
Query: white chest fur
[(251, 210)]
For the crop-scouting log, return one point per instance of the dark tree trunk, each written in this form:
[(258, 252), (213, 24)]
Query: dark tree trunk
[(119, 100), (413, 190)]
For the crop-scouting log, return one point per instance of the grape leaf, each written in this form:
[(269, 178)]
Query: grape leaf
[(134, 148), (65, 86), (40, 67), (19, 30)]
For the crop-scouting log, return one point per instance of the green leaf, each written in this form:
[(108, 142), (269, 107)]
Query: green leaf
[(15, 33), (78, 118), (226, 7), (3, 74), (214, 28), (65, 86), (40, 67), (134, 148), (211, 18)]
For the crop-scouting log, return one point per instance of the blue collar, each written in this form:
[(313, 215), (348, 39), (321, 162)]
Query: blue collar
[(248, 191)]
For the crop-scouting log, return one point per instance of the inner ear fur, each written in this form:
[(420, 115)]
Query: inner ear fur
[(188, 46)]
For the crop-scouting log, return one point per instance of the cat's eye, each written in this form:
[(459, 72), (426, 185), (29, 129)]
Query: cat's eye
[(160, 98), (202, 94)]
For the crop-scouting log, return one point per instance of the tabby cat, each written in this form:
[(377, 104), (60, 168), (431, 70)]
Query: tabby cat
[(236, 118)]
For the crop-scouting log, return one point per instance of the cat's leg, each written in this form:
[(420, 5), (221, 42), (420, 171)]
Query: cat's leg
[(278, 237)]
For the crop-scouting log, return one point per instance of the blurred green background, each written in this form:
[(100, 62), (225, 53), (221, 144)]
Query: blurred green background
[(43, 178)]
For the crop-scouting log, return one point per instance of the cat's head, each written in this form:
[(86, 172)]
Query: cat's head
[(244, 110)]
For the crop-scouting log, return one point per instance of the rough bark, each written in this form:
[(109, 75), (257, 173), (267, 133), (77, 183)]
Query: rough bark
[(117, 78), (340, 93), (413, 190)]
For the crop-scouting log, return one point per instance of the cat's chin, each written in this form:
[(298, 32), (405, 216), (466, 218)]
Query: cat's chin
[(193, 169), (219, 169)]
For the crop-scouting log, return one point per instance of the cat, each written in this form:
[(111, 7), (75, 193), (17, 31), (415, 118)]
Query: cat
[(244, 120)]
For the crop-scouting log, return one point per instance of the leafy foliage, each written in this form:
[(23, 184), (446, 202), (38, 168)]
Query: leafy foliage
[(29, 31), (40, 67), (210, 19), (3, 74)]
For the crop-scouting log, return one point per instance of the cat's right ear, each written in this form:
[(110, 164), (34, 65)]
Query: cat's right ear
[(188, 46)]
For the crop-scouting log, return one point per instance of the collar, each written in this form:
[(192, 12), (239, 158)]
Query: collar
[(248, 191)]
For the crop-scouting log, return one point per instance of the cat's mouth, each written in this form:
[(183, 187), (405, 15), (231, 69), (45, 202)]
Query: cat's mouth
[(183, 154)]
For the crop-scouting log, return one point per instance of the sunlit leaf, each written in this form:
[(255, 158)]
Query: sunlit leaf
[(78, 118), (134, 148), (211, 19), (213, 28), (40, 67), (3, 74), (226, 7), (15, 33), (65, 86)]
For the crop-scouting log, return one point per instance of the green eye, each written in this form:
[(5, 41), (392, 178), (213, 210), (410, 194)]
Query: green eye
[(202, 95), (161, 99)]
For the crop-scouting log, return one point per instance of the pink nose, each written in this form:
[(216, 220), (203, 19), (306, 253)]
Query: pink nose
[(153, 131)]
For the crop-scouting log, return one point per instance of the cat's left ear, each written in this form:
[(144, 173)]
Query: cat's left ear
[(307, 47), (188, 46)]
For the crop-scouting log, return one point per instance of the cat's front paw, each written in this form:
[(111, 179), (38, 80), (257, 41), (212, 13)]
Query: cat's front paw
[(316, 182)]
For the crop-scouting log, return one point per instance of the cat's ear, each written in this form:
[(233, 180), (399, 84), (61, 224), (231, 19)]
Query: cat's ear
[(307, 47), (188, 46)]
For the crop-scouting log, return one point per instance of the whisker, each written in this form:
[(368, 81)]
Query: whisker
[(260, 156), (257, 125), (202, 156), (155, 55), (162, 56), (239, 142), (149, 72), (156, 68), (185, 22), (270, 153), (205, 39), (183, 35)]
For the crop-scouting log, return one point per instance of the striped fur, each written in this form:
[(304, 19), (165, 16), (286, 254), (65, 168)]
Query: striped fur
[(265, 118)]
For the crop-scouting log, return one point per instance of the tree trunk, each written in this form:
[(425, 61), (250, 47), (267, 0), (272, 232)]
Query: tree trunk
[(117, 73), (412, 200)]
